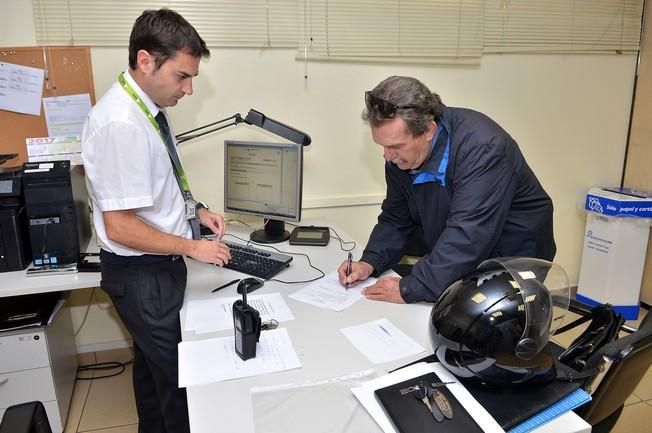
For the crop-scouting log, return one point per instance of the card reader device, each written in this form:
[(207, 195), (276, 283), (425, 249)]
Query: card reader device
[(246, 325), (310, 235)]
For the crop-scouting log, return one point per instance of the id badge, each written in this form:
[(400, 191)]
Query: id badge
[(191, 209)]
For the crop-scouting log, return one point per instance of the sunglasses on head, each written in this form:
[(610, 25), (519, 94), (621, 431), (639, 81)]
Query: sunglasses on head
[(384, 107)]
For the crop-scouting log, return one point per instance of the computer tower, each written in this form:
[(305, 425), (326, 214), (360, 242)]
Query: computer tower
[(57, 219), (15, 252)]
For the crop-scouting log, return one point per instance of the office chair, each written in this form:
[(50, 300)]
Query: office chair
[(25, 418), (623, 363)]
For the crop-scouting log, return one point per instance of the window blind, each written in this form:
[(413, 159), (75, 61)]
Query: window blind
[(562, 26), (416, 31), (443, 31), (221, 23)]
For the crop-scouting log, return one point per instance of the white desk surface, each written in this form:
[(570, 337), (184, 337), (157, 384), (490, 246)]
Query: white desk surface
[(18, 283), (323, 350)]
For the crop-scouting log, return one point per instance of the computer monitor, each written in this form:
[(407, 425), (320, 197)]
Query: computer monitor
[(264, 179)]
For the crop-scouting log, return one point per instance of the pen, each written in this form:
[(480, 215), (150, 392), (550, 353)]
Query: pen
[(225, 285), (349, 260)]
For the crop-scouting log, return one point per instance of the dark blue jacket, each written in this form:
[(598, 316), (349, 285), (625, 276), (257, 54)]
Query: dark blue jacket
[(488, 204)]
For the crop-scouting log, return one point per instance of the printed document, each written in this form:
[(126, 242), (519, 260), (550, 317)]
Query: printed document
[(215, 360), (380, 341), (216, 314), (328, 293), (65, 115), (21, 88)]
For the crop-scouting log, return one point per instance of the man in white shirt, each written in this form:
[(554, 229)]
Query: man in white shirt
[(144, 212)]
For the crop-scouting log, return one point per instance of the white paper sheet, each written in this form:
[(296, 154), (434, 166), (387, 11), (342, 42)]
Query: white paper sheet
[(21, 88), (65, 115), (365, 394), (216, 314), (381, 341), (215, 360), (328, 293)]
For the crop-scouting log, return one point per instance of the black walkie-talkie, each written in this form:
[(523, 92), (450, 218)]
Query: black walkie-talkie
[(247, 325)]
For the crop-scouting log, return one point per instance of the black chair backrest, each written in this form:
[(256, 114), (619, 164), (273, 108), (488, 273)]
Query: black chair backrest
[(632, 356), (25, 418)]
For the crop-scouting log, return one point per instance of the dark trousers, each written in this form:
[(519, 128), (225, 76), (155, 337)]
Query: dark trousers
[(148, 298)]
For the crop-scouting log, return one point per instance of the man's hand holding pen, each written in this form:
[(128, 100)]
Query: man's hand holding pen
[(351, 272), (386, 289)]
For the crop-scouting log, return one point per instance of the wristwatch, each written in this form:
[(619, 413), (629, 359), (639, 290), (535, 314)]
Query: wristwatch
[(200, 205)]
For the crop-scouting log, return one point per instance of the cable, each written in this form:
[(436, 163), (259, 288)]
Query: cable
[(101, 366), (45, 238), (302, 281), (342, 242), (88, 308), (284, 252), (337, 235), (249, 242), (237, 221)]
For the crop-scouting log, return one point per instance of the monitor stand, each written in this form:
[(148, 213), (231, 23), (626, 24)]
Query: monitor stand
[(273, 233)]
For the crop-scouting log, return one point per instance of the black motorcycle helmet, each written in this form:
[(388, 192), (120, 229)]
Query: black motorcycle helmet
[(492, 326)]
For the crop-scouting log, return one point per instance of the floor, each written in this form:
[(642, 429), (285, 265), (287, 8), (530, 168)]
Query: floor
[(107, 405)]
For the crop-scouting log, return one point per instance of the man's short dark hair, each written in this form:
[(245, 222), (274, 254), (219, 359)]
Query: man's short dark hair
[(163, 33), (421, 105)]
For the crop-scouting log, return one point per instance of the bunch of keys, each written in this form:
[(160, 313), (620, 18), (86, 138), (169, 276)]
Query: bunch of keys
[(436, 402)]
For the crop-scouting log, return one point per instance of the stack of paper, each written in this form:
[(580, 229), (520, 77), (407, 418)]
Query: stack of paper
[(216, 314), (215, 360)]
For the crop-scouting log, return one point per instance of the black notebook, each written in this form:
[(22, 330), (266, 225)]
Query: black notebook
[(510, 406), (411, 415)]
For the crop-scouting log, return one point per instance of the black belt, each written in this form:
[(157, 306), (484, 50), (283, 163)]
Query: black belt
[(145, 259)]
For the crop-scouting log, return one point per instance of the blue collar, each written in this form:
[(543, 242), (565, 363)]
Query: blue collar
[(434, 169)]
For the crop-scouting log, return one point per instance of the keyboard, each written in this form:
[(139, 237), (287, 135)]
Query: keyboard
[(256, 262)]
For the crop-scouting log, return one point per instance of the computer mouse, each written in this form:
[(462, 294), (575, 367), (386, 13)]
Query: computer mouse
[(249, 284)]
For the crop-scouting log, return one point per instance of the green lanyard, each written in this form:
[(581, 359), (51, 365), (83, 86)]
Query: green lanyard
[(178, 168)]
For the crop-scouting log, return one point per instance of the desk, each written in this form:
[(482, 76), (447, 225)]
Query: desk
[(56, 386), (323, 350), (51, 377), (17, 283)]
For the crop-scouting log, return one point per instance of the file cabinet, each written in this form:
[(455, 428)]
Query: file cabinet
[(40, 364)]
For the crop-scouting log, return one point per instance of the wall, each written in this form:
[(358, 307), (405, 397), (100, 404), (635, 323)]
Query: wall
[(569, 114), (639, 156)]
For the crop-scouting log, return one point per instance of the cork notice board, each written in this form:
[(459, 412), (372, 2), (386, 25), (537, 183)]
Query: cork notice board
[(67, 72)]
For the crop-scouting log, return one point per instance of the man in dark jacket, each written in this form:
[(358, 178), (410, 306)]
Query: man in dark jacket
[(460, 177)]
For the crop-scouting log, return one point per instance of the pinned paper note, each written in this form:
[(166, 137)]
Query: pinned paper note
[(65, 115), (21, 88)]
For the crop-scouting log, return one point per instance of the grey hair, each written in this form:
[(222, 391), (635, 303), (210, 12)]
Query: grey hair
[(424, 105)]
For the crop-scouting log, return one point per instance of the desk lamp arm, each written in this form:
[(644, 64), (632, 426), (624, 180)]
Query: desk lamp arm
[(255, 118), (203, 130)]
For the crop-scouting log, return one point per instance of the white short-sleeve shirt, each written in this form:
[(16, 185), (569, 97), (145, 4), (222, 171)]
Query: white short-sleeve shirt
[(128, 167)]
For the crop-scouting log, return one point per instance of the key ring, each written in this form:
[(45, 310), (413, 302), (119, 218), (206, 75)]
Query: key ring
[(270, 324)]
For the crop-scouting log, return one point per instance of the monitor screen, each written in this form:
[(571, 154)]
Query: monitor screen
[(264, 179)]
